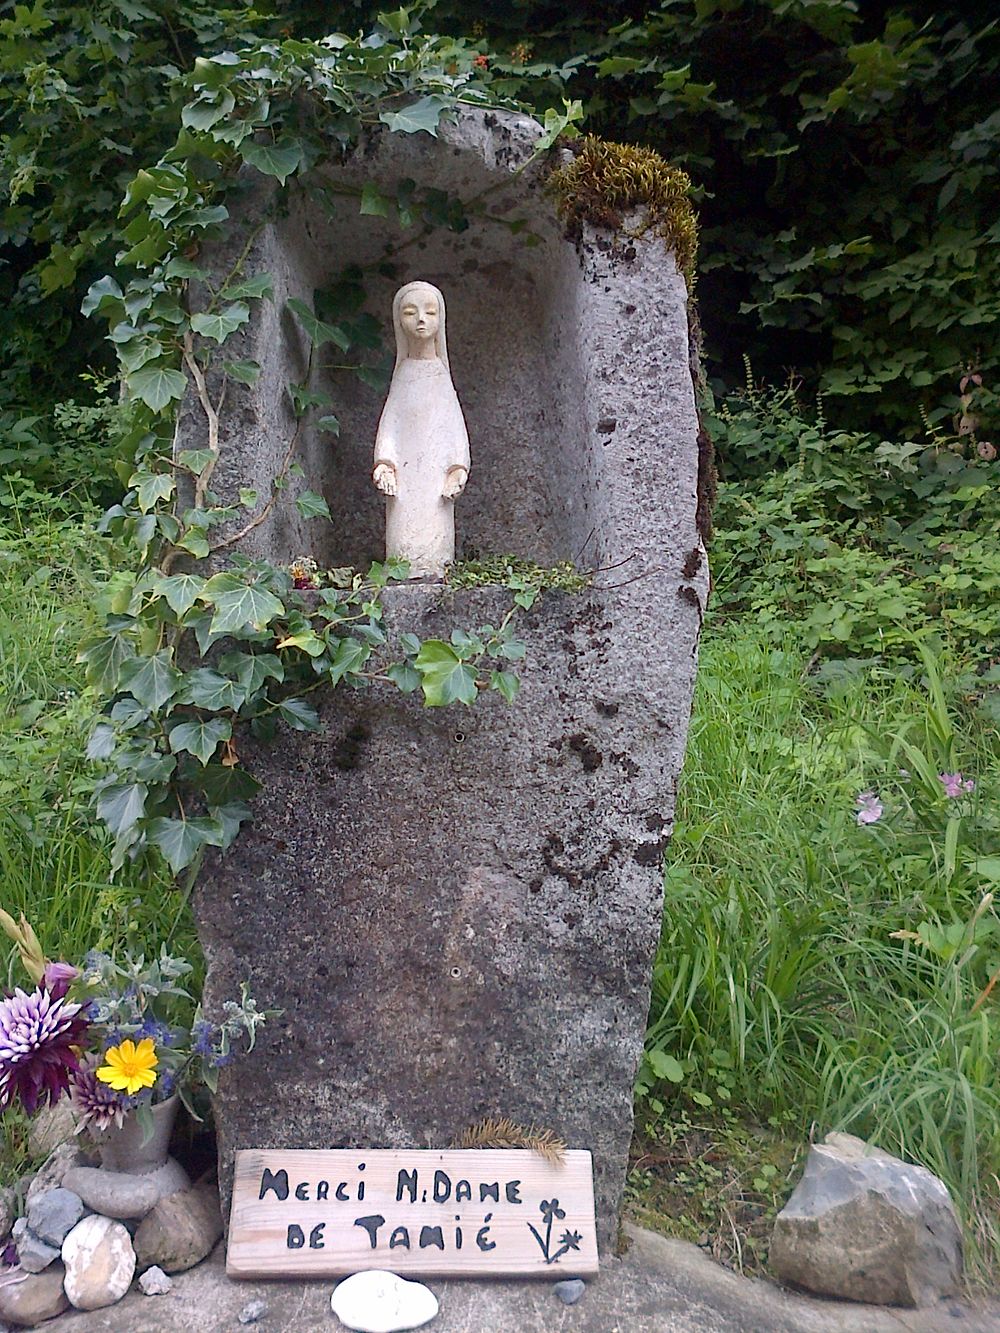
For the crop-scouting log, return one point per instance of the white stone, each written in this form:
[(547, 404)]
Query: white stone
[(422, 445), (381, 1302), (154, 1282), (100, 1263)]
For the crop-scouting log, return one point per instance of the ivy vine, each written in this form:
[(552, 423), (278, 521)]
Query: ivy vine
[(191, 651)]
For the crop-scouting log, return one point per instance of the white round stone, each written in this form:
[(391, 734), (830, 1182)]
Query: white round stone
[(100, 1262), (381, 1302)]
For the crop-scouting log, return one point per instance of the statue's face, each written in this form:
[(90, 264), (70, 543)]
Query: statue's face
[(419, 316)]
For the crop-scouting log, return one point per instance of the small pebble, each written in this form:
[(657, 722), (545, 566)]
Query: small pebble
[(570, 1291), (154, 1282), (252, 1312)]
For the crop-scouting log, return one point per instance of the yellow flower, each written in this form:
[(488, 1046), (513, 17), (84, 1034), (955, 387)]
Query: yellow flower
[(130, 1067)]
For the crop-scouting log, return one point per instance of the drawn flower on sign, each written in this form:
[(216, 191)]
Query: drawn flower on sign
[(570, 1240)]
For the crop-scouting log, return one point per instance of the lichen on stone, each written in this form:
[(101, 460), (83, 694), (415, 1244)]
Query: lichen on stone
[(606, 181)]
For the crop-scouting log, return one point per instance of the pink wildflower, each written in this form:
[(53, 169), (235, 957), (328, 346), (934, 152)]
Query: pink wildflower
[(955, 784), (869, 807)]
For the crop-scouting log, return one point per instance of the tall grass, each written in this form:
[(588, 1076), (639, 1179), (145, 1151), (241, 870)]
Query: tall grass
[(54, 574), (778, 984)]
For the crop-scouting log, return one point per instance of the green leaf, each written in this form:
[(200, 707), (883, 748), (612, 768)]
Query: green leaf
[(102, 741), (206, 688), (200, 738), (987, 867), (153, 681), (308, 641), (373, 202), (245, 372), (506, 683), (103, 292), (180, 841), (195, 460), (665, 1066), (299, 715), (180, 590), (121, 804), (246, 605), (311, 505), (152, 488), (320, 332), (248, 497), (445, 678), (350, 657), (405, 677), (424, 114), (273, 159), (219, 326), (157, 385), (196, 542), (330, 424), (104, 659), (261, 284)]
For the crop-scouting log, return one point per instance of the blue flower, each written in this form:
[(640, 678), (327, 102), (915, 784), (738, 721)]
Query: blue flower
[(204, 1037)]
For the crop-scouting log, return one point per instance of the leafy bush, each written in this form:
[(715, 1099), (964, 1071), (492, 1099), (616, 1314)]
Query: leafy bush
[(860, 543), (71, 448)]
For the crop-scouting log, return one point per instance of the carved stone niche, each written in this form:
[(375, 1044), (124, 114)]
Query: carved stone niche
[(457, 909)]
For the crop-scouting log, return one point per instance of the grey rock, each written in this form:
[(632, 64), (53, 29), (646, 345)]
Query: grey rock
[(100, 1263), (32, 1300), (18, 1229), (154, 1282), (50, 1126), (181, 1230), (865, 1226), (8, 1211), (35, 1254), (53, 1171), (120, 1194), (52, 1215), (252, 1312), (570, 1291), (506, 964)]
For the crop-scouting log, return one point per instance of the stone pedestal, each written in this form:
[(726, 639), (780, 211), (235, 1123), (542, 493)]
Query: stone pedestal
[(457, 909)]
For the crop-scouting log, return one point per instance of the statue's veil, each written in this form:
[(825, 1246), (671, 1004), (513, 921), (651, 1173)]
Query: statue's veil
[(440, 343)]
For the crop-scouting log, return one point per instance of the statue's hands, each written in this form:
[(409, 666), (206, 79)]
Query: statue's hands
[(454, 482), (384, 478)]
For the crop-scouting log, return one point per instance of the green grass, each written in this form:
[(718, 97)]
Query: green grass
[(54, 866), (778, 987)]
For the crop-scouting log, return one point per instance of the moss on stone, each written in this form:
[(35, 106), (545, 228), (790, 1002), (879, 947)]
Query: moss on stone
[(512, 571), (605, 181)]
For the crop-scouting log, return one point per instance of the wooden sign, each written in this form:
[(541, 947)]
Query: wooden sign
[(460, 1213)]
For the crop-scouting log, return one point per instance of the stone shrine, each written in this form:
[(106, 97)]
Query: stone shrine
[(457, 909)]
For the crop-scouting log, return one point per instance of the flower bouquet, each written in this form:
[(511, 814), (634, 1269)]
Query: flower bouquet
[(118, 1036)]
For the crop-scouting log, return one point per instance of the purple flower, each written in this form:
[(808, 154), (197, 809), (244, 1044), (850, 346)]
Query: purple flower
[(37, 1035), (57, 979), (204, 1035), (955, 784), (869, 807), (10, 1256), (97, 1105), (160, 1032), (165, 1085)]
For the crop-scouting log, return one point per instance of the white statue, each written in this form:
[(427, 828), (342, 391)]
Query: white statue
[(422, 445)]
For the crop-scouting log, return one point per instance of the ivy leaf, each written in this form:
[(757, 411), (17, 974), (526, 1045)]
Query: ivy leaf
[(262, 284), (206, 688), (299, 715), (246, 605), (373, 201), (319, 331), (445, 678), (330, 424), (245, 372), (311, 505), (219, 326), (405, 677), (506, 683), (253, 669), (308, 641), (157, 385), (223, 785), (104, 660), (103, 291), (180, 841), (351, 656), (153, 681), (121, 804), (196, 542), (195, 460), (248, 497), (277, 160), (102, 741), (180, 590), (424, 114), (200, 737), (152, 487), (230, 817)]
